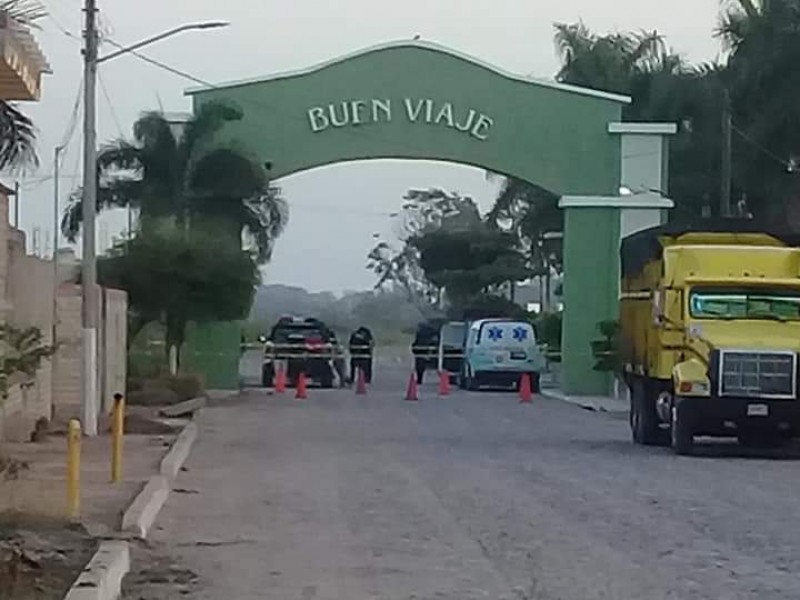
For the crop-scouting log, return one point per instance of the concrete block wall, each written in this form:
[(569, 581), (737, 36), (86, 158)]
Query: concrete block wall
[(28, 287), (67, 361)]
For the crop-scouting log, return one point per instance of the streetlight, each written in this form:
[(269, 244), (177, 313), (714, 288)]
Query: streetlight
[(90, 306)]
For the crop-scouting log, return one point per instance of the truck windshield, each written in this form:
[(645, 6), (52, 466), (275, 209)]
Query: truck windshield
[(778, 305)]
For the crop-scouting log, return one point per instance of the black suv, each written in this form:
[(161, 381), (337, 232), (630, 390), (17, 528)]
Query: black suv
[(303, 346)]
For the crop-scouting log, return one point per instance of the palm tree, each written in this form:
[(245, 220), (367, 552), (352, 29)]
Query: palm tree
[(637, 64), (763, 42), (164, 174), (17, 133)]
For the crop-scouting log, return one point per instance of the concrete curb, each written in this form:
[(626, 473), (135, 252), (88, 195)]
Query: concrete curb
[(144, 509), (101, 579), (595, 403), (171, 464)]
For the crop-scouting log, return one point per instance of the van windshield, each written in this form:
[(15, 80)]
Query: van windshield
[(754, 303)]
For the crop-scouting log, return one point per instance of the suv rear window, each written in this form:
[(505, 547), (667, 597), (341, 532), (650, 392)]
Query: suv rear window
[(297, 333)]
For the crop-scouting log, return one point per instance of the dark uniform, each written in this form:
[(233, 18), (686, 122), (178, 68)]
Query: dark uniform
[(425, 348), (361, 347)]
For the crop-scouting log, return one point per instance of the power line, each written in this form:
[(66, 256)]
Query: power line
[(110, 105), (361, 133), (159, 64), (63, 29), (758, 146)]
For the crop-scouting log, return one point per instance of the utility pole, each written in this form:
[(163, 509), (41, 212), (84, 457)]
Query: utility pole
[(56, 195), (90, 306), (16, 205), (727, 159)]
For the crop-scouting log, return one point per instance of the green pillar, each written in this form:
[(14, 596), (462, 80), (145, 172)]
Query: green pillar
[(594, 227), (213, 351)]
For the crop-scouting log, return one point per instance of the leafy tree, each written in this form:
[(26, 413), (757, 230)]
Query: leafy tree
[(22, 350), (531, 212), (469, 261), (168, 174), (423, 211), (177, 276)]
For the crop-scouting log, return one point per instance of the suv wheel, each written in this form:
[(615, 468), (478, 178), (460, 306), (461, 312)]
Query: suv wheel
[(267, 376)]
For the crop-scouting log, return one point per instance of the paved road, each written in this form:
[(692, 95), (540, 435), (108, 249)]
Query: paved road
[(467, 497)]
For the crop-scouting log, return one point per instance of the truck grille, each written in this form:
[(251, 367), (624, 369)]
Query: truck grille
[(758, 374)]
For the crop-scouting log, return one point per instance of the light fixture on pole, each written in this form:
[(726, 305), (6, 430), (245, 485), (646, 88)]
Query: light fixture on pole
[(90, 311)]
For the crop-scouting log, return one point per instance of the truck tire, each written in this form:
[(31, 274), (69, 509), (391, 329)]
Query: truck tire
[(645, 424), (682, 432)]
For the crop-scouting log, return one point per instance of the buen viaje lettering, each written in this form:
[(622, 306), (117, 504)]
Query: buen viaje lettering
[(425, 111)]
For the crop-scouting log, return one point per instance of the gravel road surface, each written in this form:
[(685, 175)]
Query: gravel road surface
[(467, 497)]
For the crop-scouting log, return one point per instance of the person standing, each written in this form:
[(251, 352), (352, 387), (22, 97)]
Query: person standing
[(361, 348)]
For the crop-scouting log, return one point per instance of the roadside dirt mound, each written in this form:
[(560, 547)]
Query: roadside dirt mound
[(40, 558)]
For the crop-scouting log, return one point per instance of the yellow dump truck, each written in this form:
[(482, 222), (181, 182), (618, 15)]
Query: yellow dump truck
[(710, 334)]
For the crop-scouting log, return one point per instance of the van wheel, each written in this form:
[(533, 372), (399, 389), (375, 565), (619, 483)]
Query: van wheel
[(473, 383), (645, 424), (681, 430)]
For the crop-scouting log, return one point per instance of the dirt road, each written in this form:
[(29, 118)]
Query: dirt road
[(467, 497)]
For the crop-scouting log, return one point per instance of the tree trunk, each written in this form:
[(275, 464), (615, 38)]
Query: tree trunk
[(547, 291), (176, 332)]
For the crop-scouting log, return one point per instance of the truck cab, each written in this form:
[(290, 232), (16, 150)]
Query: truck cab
[(710, 334)]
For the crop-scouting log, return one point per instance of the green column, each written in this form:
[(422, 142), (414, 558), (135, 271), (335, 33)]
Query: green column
[(212, 350), (591, 286)]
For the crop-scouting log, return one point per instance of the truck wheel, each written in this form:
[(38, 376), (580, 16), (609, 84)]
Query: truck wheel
[(681, 430), (267, 376), (645, 424)]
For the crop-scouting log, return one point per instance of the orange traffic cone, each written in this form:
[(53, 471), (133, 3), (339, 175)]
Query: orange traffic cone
[(302, 388), (280, 380), (361, 382), (412, 393), (444, 383), (525, 392)]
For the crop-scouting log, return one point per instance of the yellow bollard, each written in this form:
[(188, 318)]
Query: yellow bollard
[(117, 435), (74, 469)]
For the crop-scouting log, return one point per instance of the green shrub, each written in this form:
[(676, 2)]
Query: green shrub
[(186, 386), (548, 330), (144, 364), (153, 397), (606, 350)]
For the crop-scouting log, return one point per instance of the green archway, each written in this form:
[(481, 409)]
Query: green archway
[(417, 100)]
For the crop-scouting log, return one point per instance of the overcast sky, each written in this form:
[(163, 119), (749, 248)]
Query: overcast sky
[(268, 36)]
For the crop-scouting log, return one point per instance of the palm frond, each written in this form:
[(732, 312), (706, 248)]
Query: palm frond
[(204, 124), (119, 155), (114, 193), (265, 219), (24, 12), (17, 138), (226, 172)]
